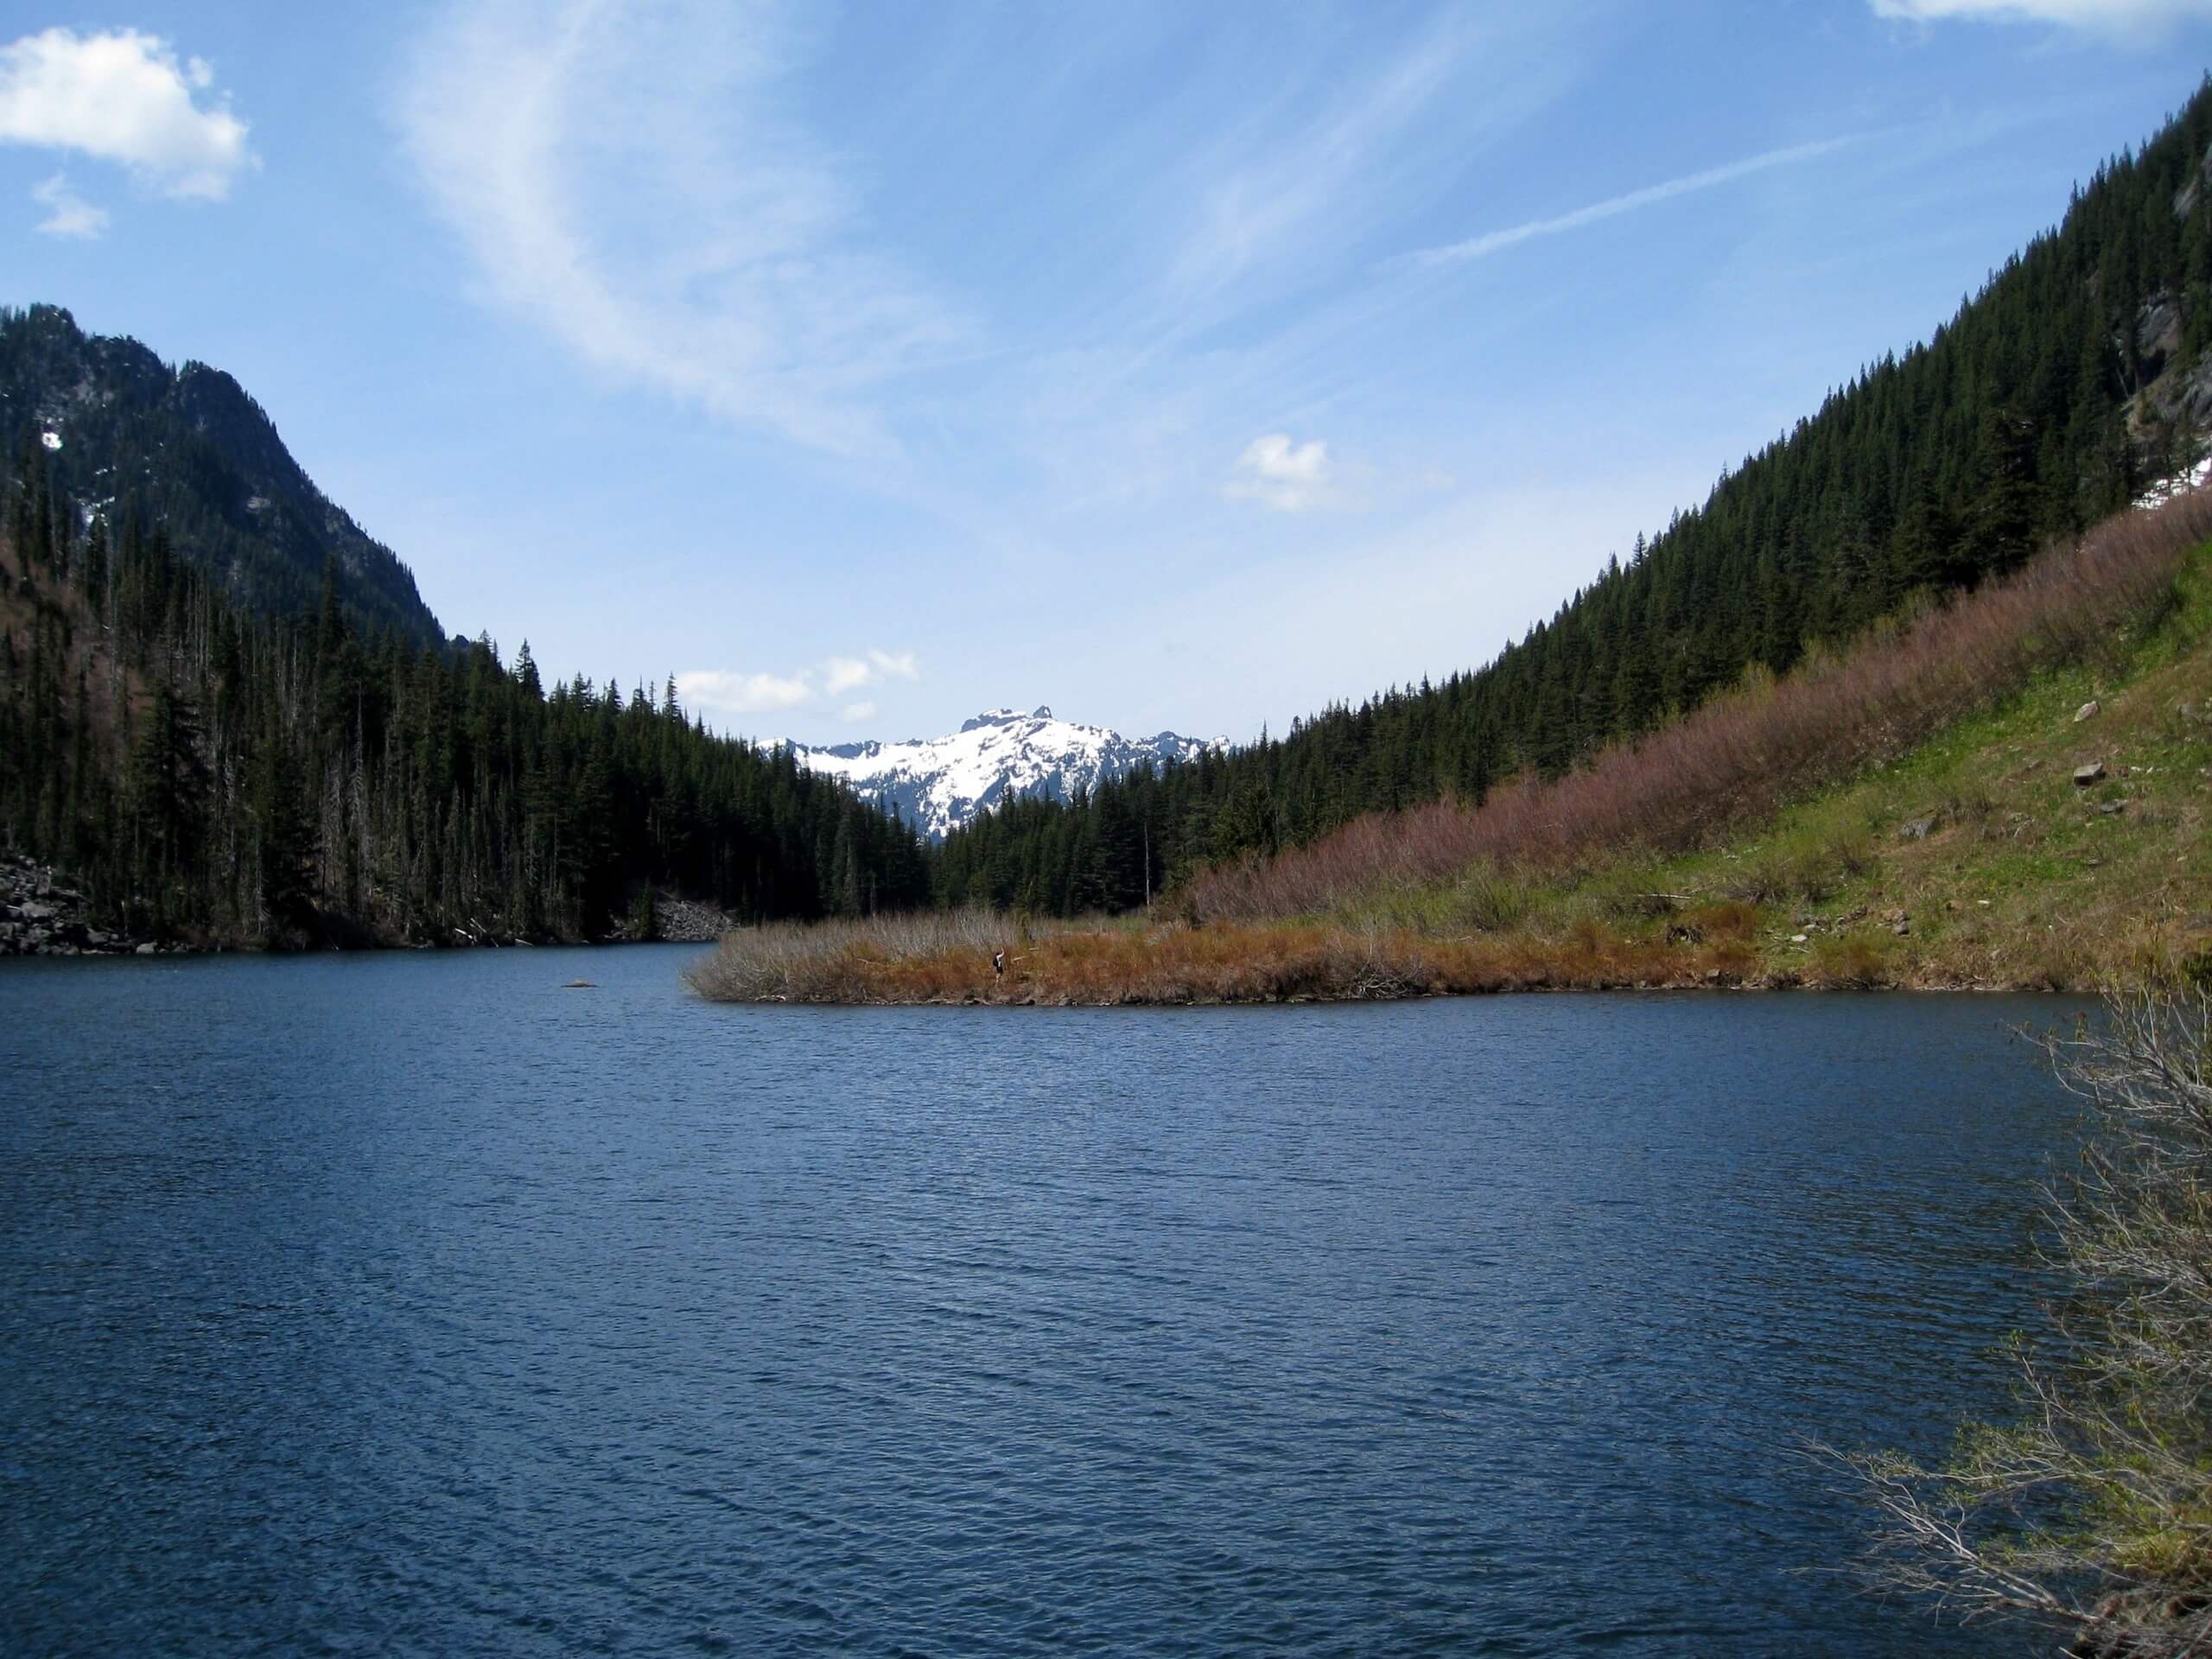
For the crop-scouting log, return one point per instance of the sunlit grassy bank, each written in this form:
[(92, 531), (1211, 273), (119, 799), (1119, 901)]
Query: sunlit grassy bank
[(1908, 815)]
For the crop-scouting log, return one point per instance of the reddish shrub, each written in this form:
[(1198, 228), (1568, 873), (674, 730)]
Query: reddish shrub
[(1740, 756)]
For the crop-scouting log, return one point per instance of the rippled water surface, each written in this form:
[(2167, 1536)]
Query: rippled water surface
[(409, 1304)]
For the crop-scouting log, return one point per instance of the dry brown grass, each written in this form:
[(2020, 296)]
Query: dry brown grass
[(1741, 757), (842, 961), (1106, 963)]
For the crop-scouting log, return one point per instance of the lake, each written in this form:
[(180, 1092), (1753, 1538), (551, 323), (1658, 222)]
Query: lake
[(411, 1304)]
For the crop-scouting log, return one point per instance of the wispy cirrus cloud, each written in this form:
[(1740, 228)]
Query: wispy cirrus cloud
[(2142, 21), (1492, 242), (624, 177), (123, 97), (1270, 202), (731, 692)]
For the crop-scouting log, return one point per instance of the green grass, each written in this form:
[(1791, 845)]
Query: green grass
[(2022, 881)]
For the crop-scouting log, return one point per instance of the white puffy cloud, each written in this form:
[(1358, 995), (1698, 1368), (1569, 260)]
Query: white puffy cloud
[(2137, 19), (736, 693), (68, 212), (123, 96), (843, 674), (742, 694), (853, 714), (1279, 473)]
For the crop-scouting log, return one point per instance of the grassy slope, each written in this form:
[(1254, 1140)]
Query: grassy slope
[(2024, 880)]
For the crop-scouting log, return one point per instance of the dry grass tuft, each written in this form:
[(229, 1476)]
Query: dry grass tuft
[(839, 961)]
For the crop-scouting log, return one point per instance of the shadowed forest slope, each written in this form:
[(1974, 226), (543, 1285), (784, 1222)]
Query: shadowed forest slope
[(216, 774), (119, 432)]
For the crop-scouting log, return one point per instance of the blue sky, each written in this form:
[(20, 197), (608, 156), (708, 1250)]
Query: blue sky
[(1182, 366)]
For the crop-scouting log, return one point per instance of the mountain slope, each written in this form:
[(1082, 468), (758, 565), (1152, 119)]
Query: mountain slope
[(2012, 793), (212, 755), (2076, 379), (939, 785), (193, 455)]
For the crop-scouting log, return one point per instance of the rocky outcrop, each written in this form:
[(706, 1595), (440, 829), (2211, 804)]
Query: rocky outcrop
[(42, 915), (686, 921)]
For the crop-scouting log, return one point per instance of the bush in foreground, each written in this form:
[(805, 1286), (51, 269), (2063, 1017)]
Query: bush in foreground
[(2093, 1512)]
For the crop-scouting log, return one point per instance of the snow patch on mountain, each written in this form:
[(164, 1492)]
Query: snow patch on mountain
[(939, 784), (2190, 477)]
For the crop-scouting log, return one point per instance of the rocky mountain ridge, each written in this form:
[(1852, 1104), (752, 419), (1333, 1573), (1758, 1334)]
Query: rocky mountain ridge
[(198, 458), (940, 783)]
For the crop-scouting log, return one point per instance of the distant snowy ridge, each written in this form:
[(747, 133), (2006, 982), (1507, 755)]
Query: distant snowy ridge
[(939, 784)]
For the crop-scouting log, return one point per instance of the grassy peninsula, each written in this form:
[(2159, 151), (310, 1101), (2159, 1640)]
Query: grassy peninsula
[(2006, 792)]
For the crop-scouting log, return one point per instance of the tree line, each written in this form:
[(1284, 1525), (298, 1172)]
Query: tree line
[(211, 772)]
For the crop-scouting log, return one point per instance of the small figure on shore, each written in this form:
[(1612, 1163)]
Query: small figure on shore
[(998, 963)]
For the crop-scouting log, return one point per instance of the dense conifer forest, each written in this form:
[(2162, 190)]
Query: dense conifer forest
[(222, 749), (2076, 375), (215, 773)]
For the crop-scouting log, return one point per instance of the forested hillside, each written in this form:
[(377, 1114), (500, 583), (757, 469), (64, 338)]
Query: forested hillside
[(2077, 375), (217, 772), (197, 456)]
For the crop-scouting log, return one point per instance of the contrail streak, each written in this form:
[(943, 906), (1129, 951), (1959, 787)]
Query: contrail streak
[(1481, 247)]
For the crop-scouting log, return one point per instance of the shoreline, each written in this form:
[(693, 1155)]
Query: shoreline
[(45, 913), (1229, 966)]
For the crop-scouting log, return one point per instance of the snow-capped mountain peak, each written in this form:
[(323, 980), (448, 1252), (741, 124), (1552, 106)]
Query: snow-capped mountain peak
[(939, 784), (1006, 717)]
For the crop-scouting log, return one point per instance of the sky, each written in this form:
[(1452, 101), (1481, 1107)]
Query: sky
[(1183, 367)]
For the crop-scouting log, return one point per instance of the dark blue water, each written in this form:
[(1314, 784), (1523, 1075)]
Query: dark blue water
[(411, 1304)]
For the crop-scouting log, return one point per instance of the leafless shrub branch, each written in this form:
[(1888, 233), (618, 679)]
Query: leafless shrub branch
[(2093, 1511)]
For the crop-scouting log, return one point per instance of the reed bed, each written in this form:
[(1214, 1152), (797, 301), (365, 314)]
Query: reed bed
[(1110, 962), (838, 961), (1741, 757)]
